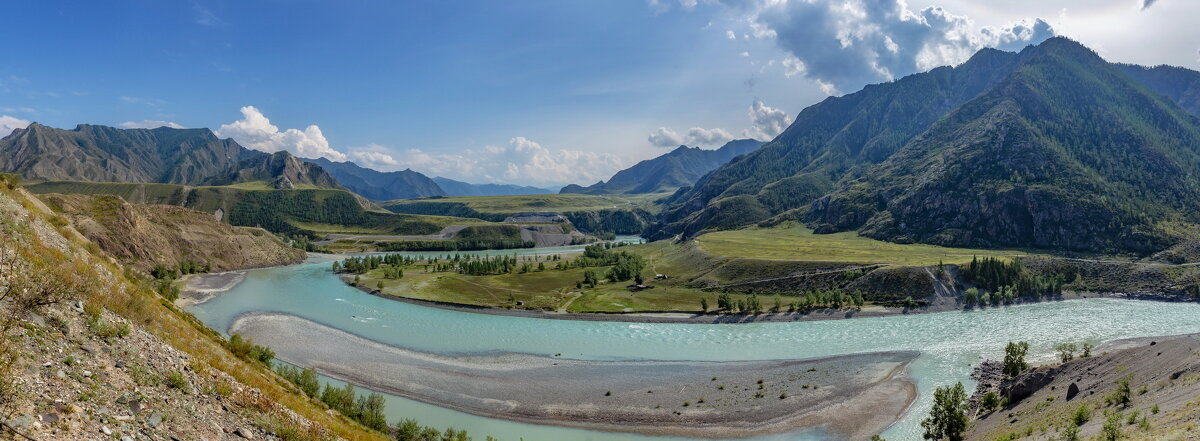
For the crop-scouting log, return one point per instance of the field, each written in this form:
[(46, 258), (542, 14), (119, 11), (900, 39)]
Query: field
[(550, 290), (795, 242)]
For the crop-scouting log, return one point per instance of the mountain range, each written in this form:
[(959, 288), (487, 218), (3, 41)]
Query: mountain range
[(1051, 147), (163, 155), (679, 168), (380, 186)]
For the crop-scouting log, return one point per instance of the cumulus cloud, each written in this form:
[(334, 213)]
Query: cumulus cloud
[(696, 136), (256, 132), (374, 156), (521, 161), (149, 124), (848, 44), (664, 137), (9, 123), (703, 136), (766, 122)]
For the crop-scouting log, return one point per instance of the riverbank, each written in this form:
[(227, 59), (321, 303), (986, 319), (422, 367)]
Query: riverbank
[(718, 318), (850, 396), (200, 288)]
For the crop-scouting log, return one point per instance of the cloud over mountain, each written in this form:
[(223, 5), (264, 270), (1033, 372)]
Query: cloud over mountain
[(696, 136), (848, 44), (9, 123), (766, 122), (256, 132)]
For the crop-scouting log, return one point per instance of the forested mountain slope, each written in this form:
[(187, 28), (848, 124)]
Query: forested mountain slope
[(1052, 147)]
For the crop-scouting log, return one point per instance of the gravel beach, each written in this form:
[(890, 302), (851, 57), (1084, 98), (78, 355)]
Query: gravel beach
[(853, 396)]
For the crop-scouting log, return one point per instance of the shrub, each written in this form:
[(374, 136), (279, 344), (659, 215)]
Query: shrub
[(176, 380)]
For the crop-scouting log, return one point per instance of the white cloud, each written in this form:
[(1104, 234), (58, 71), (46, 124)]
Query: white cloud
[(256, 132), (848, 44), (149, 124), (9, 123), (373, 156), (730, 35), (703, 136), (766, 122), (696, 136), (204, 17), (792, 66), (664, 137), (521, 161)]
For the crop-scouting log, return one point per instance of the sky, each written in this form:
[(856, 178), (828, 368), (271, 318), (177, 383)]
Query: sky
[(532, 92)]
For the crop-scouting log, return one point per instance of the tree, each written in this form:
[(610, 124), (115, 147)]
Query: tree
[(1014, 358), (704, 304), (1066, 351), (379, 285), (408, 430), (948, 418), (1087, 350)]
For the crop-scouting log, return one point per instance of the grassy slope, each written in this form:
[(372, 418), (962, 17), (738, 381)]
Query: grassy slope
[(795, 242), (110, 285)]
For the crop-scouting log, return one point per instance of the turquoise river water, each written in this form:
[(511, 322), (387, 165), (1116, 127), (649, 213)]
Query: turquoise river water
[(950, 343)]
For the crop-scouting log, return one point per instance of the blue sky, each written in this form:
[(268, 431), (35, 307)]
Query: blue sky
[(534, 92)]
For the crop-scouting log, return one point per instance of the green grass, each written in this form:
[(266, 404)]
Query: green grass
[(795, 242), (555, 289)]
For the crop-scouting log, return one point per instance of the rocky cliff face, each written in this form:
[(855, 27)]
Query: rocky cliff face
[(147, 235)]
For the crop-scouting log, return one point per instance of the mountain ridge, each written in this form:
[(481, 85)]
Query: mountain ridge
[(678, 168), (380, 186)]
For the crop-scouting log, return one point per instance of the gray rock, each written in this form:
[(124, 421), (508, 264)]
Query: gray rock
[(20, 422), (78, 306), (244, 433), (154, 420), (1072, 391), (50, 418), (60, 374), (105, 430), (126, 438), (1027, 383)]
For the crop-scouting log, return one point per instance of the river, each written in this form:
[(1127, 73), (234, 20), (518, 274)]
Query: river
[(950, 342)]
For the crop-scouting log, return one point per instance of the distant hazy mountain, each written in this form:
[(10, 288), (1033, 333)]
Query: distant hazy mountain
[(107, 154), (1052, 147), (380, 186), (459, 188), (679, 168)]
